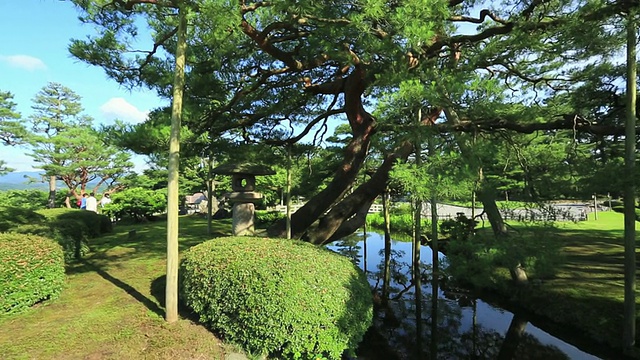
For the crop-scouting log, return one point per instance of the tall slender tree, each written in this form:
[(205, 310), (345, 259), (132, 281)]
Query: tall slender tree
[(630, 189), (174, 165), (113, 49)]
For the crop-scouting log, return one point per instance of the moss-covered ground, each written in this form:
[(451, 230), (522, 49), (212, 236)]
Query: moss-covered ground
[(112, 306)]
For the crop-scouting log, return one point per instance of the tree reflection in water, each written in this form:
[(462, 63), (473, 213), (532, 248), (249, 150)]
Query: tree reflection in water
[(450, 328)]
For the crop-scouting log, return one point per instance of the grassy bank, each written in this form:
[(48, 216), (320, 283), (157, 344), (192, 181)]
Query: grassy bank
[(112, 306), (587, 293), (586, 296)]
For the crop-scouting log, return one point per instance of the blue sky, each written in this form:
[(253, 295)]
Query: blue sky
[(35, 37)]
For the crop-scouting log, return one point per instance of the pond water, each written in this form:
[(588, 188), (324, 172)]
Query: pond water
[(464, 327)]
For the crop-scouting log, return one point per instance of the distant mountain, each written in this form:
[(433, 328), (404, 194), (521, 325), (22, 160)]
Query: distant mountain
[(18, 177), (19, 180)]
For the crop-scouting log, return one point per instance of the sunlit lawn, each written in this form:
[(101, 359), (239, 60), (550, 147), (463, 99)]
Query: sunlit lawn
[(588, 291), (112, 305)]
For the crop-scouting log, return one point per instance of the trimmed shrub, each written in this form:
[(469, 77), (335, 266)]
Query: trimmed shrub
[(11, 217), (136, 203), (265, 218), (96, 224), (33, 199), (72, 235), (401, 223), (284, 298), (31, 270)]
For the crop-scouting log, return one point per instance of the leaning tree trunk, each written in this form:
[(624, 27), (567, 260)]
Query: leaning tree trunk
[(513, 338), (340, 220), (350, 214), (486, 195), (362, 128)]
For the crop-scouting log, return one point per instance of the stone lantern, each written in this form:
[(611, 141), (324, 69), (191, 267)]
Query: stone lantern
[(244, 196)]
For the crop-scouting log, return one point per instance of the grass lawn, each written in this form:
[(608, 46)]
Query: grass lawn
[(112, 304), (587, 293)]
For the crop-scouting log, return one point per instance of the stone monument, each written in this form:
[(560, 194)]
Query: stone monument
[(244, 196)]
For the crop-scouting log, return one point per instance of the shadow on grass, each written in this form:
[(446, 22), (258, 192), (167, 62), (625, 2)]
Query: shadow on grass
[(158, 287), (146, 242), (150, 304)]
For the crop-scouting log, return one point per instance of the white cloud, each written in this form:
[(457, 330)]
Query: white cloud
[(25, 62), (119, 108)]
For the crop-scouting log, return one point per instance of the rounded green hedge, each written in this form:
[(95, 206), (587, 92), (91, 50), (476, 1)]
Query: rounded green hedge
[(96, 224), (284, 298), (11, 216), (31, 270), (72, 235)]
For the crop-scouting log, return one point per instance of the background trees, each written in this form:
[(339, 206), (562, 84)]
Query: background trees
[(10, 128), (277, 72), (66, 147)]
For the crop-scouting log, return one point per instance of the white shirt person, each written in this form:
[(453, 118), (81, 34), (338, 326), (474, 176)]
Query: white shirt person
[(92, 203)]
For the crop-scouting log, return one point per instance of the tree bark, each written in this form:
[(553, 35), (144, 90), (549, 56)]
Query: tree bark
[(171, 291), (288, 191), (488, 200), (387, 247), (345, 209), (362, 127), (330, 225), (629, 192), (51, 203)]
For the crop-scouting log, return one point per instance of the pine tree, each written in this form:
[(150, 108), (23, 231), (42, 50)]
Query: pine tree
[(66, 146), (10, 128)]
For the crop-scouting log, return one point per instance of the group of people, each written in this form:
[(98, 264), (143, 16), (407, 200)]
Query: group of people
[(89, 202)]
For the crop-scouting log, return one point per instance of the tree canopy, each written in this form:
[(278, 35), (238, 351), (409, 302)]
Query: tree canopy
[(66, 147), (277, 72)]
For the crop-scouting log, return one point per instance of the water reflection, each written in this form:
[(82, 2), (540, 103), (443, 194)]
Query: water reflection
[(435, 322)]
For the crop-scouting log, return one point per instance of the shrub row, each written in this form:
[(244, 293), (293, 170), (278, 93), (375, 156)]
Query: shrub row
[(71, 228), (33, 199), (402, 223), (264, 218), (95, 224), (31, 270), (271, 297), (137, 204)]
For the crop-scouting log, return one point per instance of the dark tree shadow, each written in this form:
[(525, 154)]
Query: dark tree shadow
[(158, 287), (150, 304)]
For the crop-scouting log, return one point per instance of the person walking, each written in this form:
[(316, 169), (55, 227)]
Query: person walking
[(83, 201), (92, 203)]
